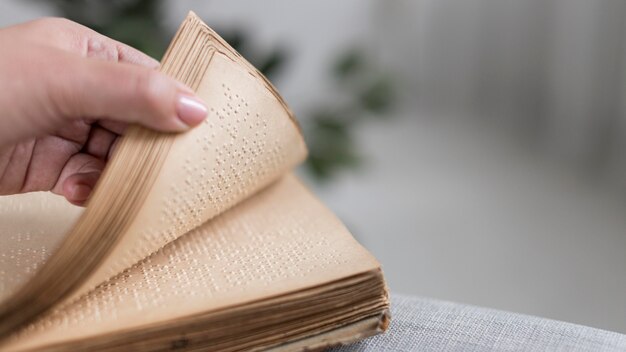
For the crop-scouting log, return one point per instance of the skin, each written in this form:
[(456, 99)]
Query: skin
[(67, 94)]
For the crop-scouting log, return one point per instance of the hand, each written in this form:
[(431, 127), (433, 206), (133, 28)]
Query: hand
[(66, 94)]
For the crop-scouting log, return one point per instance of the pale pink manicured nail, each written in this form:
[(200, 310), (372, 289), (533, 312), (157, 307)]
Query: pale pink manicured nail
[(190, 110)]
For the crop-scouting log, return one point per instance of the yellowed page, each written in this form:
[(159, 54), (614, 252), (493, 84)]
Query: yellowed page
[(32, 226), (276, 242), (247, 141), (340, 336)]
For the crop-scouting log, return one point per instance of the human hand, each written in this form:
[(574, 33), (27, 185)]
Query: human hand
[(66, 95)]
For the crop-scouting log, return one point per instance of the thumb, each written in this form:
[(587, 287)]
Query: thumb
[(128, 93)]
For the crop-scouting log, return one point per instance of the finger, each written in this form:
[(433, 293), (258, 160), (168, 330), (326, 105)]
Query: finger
[(15, 162), (128, 93), (48, 157), (34, 164), (77, 188), (112, 148), (116, 127), (99, 142), (78, 178), (76, 38)]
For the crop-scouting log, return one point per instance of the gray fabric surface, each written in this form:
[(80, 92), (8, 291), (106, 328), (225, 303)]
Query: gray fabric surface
[(420, 324)]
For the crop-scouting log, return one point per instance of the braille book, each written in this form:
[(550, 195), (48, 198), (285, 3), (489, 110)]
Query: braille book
[(203, 240)]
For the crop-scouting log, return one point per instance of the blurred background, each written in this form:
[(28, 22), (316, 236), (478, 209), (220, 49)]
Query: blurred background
[(476, 147)]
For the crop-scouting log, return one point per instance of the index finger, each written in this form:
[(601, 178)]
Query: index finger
[(78, 39)]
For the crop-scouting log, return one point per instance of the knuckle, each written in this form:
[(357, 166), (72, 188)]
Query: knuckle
[(99, 48)]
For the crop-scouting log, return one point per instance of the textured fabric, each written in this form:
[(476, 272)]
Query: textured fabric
[(420, 324)]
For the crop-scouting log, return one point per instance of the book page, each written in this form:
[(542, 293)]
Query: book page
[(32, 226), (158, 186), (278, 241), (247, 141)]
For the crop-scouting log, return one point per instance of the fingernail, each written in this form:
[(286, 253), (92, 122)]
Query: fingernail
[(80, 192), (190, 110)]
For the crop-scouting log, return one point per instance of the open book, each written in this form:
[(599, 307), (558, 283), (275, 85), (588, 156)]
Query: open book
[(202, 240)]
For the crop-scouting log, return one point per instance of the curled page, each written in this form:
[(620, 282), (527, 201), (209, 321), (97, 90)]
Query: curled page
[(158, 186), (247, 141)]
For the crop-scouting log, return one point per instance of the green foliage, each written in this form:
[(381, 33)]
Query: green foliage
[(268, 64), (350, 64), (378, 96), (135, 22), (331, 141), (330, 144)]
